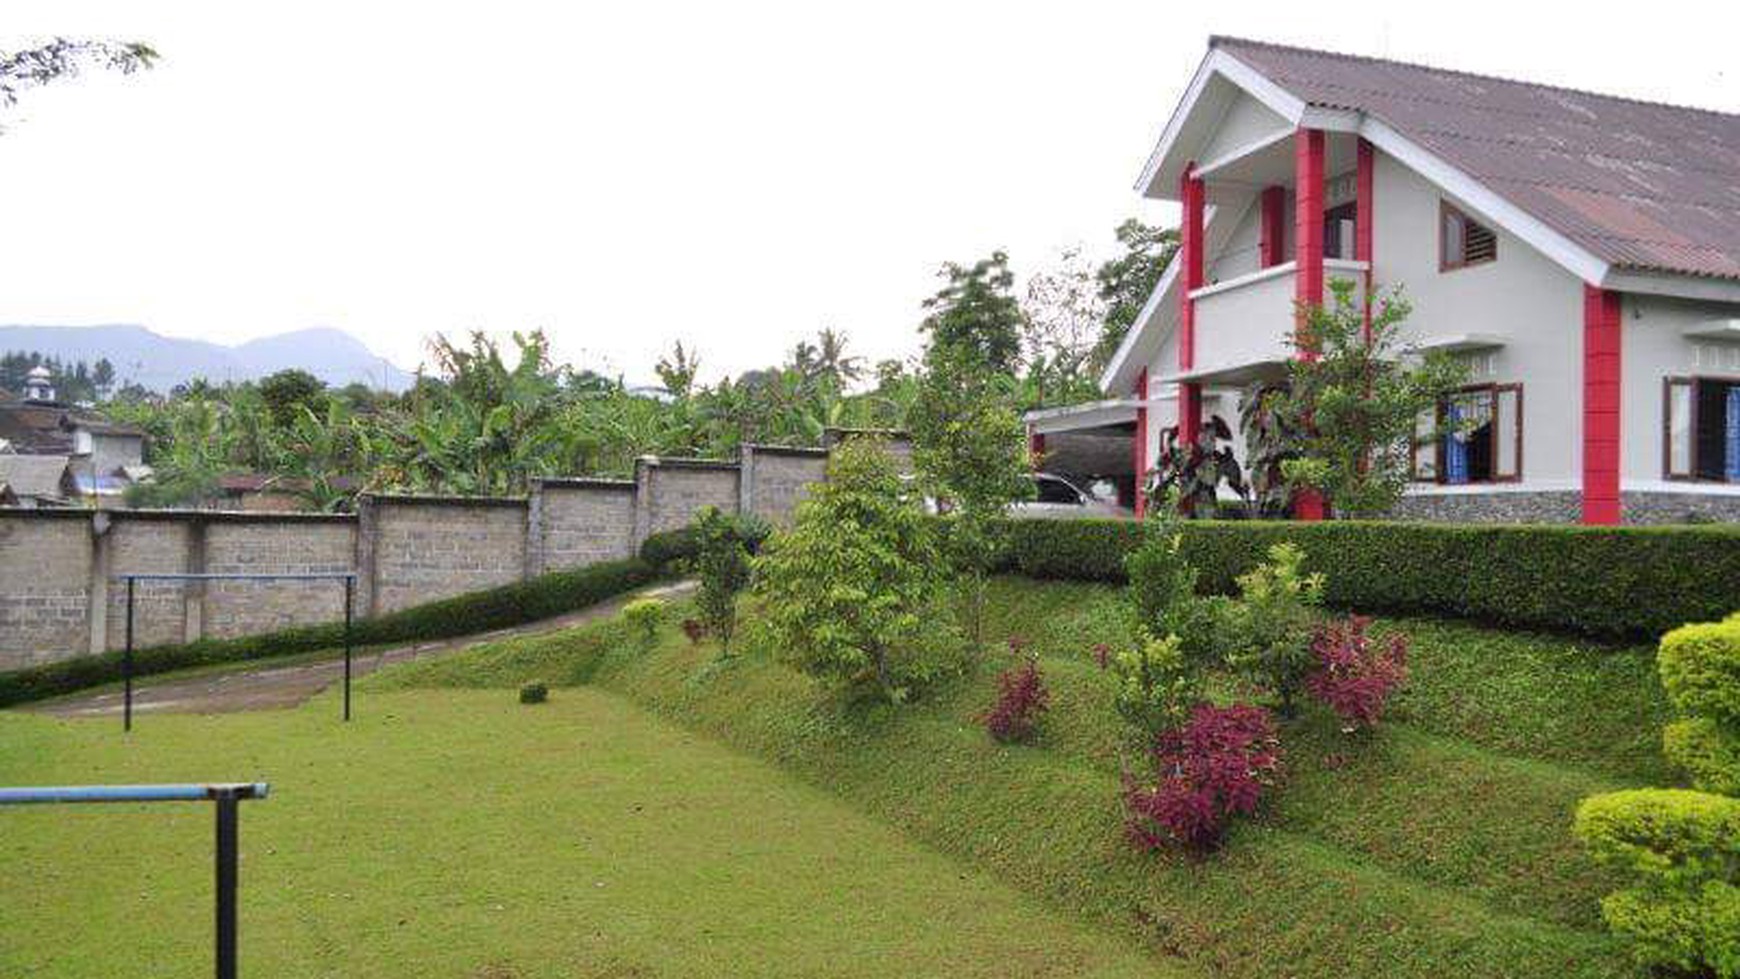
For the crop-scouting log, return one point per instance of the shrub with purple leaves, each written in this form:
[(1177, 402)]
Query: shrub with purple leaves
[(695, 630), (1021, 700), (1213, 767), (1356, 674)]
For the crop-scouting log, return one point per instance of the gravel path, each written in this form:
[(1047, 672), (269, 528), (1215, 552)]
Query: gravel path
[(273, 687)]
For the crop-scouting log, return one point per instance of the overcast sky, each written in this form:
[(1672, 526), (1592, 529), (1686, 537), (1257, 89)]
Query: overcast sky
[(735, 174)]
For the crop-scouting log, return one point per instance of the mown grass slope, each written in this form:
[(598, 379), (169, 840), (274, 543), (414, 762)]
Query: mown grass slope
[(1438, 846), (454, 833)]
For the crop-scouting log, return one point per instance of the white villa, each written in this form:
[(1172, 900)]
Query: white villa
[(1581, 251)]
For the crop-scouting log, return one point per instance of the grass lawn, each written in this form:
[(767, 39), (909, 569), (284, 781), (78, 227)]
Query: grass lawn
[(456, 833), (1438, 846)]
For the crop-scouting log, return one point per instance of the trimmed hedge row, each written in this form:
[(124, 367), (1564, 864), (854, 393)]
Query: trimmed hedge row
[(1599, 581), (495, 608)]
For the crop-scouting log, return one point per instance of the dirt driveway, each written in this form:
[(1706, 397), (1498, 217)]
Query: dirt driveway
[(269, 687)]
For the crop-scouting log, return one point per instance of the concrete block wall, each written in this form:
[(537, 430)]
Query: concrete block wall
[(430, 547), (59, 597), (45, 570)]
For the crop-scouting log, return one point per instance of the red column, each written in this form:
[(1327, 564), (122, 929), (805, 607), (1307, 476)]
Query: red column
[(1272, 248), (1600, 406), (1308, 252), (1190, 254), (1035, 448), (1140, 454), (1364, 169)]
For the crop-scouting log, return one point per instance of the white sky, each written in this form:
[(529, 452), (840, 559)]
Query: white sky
[(734, 174)]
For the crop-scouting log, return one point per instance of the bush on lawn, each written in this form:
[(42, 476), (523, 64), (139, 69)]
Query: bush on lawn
[(1355, 676), (495, 608), (534, 693), (722, 564), (1603, 581), (1021, 701), (1700, 670), (1157, 686), (1271, 625), (644, 616), (1217, 765)]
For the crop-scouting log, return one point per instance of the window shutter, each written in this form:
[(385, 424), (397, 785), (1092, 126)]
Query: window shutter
[(1479, 244)]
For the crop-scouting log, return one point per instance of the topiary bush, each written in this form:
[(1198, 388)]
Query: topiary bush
[(1700, 670), (1600, 581), (495, 608), (1682, 848), (534, 693)]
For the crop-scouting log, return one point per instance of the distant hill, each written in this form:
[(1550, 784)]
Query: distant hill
[(159, 362)]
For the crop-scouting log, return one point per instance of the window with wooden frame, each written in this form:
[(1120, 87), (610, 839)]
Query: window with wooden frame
[(1701, 429), (1474, 436), (1463, 241)]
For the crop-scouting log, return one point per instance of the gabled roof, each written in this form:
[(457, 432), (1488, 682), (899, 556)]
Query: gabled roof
[(34, 427), (1641, 185), (39, 476)]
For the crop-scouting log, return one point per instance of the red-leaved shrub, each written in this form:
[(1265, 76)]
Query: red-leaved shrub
[(1102, 654), (695, 630), (1356, 675), (1211, 768), (1021, 698)]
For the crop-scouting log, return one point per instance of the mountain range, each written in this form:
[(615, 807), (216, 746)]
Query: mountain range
[(157, 362)]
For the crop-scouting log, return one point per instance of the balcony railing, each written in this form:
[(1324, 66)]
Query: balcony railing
[(1244, 326)]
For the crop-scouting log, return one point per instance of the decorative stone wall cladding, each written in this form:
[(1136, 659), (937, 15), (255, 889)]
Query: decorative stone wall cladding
[(276, 546), (1663, 508), (1552, 506), (584, 521), (162, 610), (434, 547), (776, 478), (674, 489), (45, 567)]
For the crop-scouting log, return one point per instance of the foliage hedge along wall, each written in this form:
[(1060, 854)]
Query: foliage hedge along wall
[(495, 608), (1612, 582)]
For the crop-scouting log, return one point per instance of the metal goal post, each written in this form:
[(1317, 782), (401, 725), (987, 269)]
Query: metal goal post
[(226, 795), (348, 577)]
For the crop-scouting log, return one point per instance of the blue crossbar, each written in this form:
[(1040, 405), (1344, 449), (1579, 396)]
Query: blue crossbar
[(133, 793)]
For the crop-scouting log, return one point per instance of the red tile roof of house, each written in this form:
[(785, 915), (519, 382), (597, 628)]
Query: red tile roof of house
[(1641, 185)]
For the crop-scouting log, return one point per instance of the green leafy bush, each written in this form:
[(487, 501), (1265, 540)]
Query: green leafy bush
[(722, 563), (644, 615), (480, 611), (670, 550), (1156, 685), (1601, 581), (534, 693), (1273, 622), (1683, 849), (852, 591), (1706, 751), (1700, 670)]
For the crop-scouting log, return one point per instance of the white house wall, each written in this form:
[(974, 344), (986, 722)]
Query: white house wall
[(1653, 346), (1246, 121), (1241, 255)]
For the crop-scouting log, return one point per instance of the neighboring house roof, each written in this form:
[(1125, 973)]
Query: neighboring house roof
[(47, 429), (39, 476), (1641, 185)]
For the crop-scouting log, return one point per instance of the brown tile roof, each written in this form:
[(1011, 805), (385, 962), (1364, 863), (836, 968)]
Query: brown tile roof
[(48, 428), (40, 476), (1641, 185)]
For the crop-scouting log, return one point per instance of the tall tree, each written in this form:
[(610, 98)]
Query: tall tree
[(1128, 280), (1064, 314), (976, 312)]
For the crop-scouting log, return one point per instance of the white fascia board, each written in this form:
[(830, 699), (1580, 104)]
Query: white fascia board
[(1576, 259), (1216, 62), (1678, 286)]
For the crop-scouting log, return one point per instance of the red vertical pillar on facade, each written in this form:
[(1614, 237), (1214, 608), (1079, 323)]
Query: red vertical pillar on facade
[(1601, 350), (1140, 445), (1308, 253), (1272, 246), (1190, 254), (1365, 167)]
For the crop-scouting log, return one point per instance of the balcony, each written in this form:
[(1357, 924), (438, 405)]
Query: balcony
[(1244, 326)]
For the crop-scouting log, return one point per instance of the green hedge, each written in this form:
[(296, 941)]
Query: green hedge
[(667, 547), (1600, 581), (495, 608)]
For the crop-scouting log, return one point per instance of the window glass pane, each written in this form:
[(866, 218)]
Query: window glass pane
[(1057, 491), (1507, 463), (1452, 238), (1679, 428)]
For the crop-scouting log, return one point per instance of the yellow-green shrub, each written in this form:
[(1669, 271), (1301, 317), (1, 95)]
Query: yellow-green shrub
[(1700, 669), (1706, 751), (1683, 847)]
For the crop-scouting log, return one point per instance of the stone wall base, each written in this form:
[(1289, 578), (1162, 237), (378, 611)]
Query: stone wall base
[(1565, 506)]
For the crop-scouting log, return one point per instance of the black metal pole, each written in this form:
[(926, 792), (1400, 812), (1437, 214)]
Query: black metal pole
[(127, 666), (226, 884), (349, 590)]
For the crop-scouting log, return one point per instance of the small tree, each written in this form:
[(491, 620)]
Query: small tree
[(967, 438), (851, 589), (722, 564), (1274, 621), (1354, 401)]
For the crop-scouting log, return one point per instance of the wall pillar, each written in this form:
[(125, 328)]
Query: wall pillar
[(1140, 447), (97, 605), (643, 475), (193, 610), (368, 534), (1601, 394), (1190, 253), (1272, 247), (1308, 253), (534, 529), (1365, 171)]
